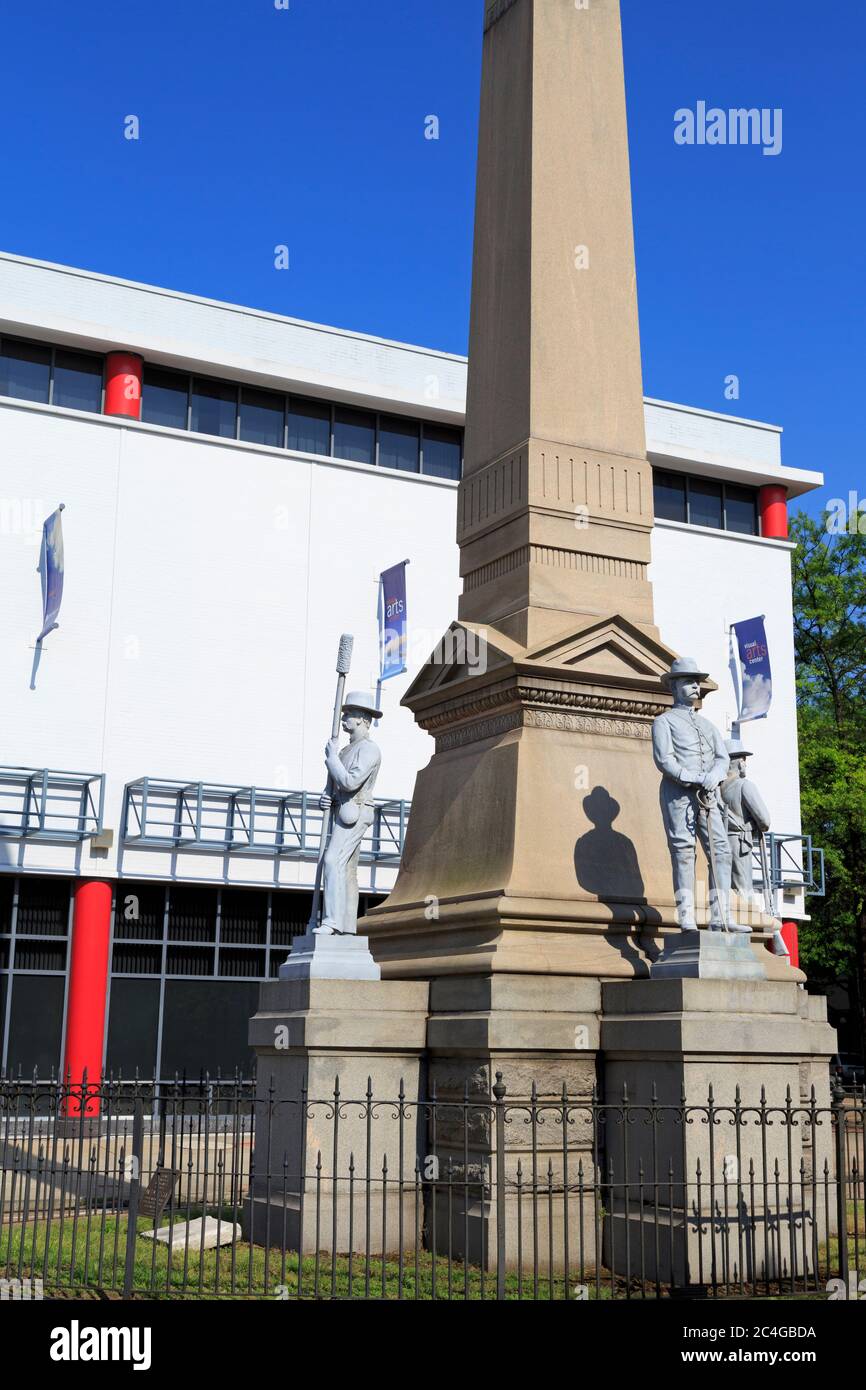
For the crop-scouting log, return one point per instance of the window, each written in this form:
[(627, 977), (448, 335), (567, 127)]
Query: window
[(443, 451), (705, 503), (204, 405), (77, 381), (741, 510), (164, 398), (214, 408), (354, 436), (670, 496), (262, 417), (399, 444), (309, 427), (25, 371)]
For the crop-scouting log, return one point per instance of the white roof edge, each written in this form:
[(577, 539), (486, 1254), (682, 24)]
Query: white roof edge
[(226, 304), (714, 415)]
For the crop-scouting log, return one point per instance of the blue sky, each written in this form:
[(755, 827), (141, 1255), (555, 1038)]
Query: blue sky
[(305, 127)]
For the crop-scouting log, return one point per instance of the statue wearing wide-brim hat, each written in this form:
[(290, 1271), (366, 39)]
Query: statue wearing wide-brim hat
[(363, 700), (684, 668)]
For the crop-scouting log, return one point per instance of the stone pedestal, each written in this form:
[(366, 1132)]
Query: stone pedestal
[(338, 1132), (710, 955), (320, 957), (731, 1189), (512, 1065)]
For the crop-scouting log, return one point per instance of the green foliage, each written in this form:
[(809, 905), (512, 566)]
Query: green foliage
[(830, 644)]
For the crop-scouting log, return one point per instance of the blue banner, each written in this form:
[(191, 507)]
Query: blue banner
[(757, 679), (392, 621), (51, 572)]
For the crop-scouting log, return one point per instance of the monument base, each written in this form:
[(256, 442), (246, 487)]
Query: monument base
[(336, 1114), (724, 1180), (517, 1158)]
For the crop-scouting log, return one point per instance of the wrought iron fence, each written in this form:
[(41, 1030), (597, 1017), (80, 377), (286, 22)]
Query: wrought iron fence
[(223, 1189)]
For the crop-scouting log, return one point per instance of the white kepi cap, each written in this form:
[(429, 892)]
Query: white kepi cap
[(364, 700)]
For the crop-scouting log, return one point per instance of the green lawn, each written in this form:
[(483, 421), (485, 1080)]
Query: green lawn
[(91, 1258), (97, 1261)]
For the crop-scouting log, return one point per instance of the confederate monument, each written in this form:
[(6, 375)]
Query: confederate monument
[(533, 926)]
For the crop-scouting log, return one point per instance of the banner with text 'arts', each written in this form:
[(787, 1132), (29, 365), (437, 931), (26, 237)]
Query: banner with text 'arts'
[(756, 691)]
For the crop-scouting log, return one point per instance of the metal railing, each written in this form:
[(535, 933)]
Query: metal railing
[(223, 1189), (795, 864), (49, 805), (211, 817)]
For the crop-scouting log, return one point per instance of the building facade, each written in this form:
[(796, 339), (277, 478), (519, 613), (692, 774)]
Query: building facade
[(233, 483)]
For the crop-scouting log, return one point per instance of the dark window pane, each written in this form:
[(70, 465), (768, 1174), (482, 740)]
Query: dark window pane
[(705, 503), (25, 371), (214, 408), (241, 964), (139, 911), (399, 445), (132, 1026), (77, 381), (309, 427), (290, 913), (443, 450), (244, 917), (669, 490), (35, 1024), (135, 959), (43, 907), (205, 1027), (164, 398), (191, 913), (354, 436), (741, 510), (262, 418), (6, 892)]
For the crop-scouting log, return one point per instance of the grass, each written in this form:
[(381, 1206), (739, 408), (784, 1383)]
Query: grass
[(90, 1258), (95, 1261)]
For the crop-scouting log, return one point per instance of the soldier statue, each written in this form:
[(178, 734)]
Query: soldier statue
[(349, 798), (690, 753), (747, 820), (746, 817)]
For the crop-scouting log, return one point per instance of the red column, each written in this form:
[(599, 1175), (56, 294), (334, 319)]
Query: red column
[(123, 371), (792, 941), (773, 505), (88, 987)]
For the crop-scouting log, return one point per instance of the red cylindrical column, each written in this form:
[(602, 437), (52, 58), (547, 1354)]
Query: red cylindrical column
[(792, 941), (88, 987), (123, 372), (773, 504)]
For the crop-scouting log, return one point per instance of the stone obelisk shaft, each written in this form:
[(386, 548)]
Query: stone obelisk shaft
[(556, 503)]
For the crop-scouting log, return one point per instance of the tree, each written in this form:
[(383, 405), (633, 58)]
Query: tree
[(829, 576)]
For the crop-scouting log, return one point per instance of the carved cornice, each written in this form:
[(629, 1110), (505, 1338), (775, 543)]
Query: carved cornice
[(514, 704), (560, 721)]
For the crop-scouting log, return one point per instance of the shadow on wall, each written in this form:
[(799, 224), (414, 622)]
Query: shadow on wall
[(606, 864)]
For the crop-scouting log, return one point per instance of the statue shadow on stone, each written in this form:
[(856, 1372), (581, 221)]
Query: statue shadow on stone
[(606, 864)]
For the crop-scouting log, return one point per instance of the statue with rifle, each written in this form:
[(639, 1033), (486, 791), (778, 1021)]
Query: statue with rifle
[(348, 806)]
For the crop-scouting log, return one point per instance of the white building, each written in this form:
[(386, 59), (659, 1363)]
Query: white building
[(215, 549)]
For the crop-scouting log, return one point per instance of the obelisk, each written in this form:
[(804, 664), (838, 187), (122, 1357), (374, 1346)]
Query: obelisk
[(534, 844), (556, 503)]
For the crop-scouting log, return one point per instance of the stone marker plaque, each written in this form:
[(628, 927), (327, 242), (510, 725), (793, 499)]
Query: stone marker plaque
[(157, 1194)]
